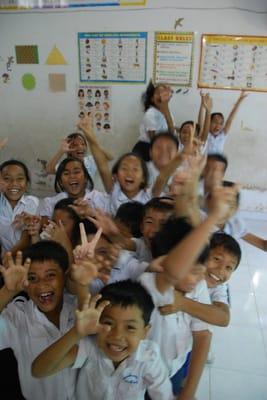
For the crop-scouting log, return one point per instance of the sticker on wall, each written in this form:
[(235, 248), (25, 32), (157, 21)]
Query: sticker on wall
[(6, 68), (57, 82), (28, 81), (55, 57), (96, 101), (27, 54)]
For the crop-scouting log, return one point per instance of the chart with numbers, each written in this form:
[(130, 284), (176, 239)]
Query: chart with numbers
[(114, 57), (233, 62)]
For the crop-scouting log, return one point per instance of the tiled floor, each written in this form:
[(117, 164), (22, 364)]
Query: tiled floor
[(239, 370)]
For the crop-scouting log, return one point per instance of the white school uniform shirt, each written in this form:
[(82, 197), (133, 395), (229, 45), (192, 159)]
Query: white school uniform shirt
[(9, 235), (173, 333), (95, 198), (28, 332), (126, 267), (117, 197), (215, 144), (142, 252), (153, 120), (219, 293), (235, 226), (153, 173), (143, 370), (89, 164)]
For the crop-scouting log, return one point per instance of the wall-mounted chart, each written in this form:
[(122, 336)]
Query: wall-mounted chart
[(114, 57), (233, 62), (173, 58)]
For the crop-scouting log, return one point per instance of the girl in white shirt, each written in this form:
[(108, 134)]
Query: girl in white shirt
[(13, 201), (157, 117)]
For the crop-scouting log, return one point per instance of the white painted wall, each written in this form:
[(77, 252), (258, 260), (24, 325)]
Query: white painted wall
[(35, 121)]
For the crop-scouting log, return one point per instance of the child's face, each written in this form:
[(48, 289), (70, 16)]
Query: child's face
[(46, 284), (15, 183), (78, 148), (152, 222), (220, 266), (190, 280), (73, 179), (214, 172), (216, 125), (127, 328), (130, 175), (162, 152), (186, 133), (66, 220)]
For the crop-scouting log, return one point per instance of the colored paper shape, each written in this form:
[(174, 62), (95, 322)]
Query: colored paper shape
[(27, 54), (57, 82), (28, 81), (55, 57)]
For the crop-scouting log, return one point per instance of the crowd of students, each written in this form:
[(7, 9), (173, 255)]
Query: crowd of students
[(112, 294)]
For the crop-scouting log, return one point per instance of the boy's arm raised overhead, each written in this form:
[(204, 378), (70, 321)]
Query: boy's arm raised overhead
[(232, 114), (15, 277), (63, 352)]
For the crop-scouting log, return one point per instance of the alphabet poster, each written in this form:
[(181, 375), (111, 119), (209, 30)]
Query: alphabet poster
[(173, 58), (233, 62), (114, 57), (96, 101)]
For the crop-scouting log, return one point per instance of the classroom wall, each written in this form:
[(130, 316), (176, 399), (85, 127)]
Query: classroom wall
[(35, 121)]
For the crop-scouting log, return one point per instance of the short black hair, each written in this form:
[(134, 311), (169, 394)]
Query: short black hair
[(131, 215), (167, 135), (117, 164), (64, 205), (18, 164), (229, 244), (47, 250), (171, 233), (218, 157), (214, 114), (147, 95), (160, 204), (76, 135), (58, 186), (129, 293)]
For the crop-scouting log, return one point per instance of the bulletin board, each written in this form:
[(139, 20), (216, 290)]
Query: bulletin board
[(44, 4), (173, 58), (113, 57), (233, 62)]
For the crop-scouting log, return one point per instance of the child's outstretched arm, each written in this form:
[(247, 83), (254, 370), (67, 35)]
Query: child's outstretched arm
[(182, 256), (216, 313), (15, 278), (98, 153), (164, 175), (163, 106), (232, 114), (200, 349), (65, 146), (62, 353), (256, 241), (207, 103)]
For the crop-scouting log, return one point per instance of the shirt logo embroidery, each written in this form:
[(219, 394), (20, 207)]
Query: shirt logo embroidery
[(131, 379)]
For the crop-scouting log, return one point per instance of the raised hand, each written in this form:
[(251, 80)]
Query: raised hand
[(66, 145), (222, 201), (86, 249), (82, 208), (207, 102), (15, 274), (102, 220), (175, 306), (87, 320), (55, 232), (84, 272)]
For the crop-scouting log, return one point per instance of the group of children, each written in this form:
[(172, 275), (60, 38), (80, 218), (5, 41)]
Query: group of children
[(112, 294)]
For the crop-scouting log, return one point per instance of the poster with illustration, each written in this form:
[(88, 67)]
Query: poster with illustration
[(113, 57), (95, 101), (233, 62), (173, 58)]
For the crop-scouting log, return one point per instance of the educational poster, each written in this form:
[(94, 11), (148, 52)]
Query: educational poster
[(39, 4), (233, 62), (173, 58), (96, 101), (114, 57)]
